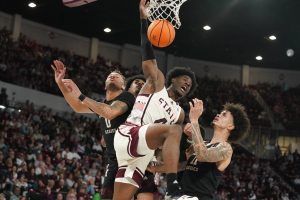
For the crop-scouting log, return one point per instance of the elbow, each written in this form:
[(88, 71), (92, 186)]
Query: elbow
[(76, 110), (79, 111), (110, 116)]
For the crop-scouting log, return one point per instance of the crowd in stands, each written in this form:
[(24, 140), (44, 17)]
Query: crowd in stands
[(285, 103), (288, 165), (248, 177), (46, 156), (217, 92)]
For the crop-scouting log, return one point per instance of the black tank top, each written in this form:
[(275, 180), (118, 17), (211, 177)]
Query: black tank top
[(109, 127), (201, 179)]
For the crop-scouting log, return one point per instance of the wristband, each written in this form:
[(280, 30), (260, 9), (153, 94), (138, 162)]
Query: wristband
[(81, 97)]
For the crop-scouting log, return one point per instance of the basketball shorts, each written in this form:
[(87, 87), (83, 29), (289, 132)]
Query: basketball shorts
[(133, 154)]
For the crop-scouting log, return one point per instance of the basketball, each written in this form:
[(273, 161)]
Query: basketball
[(161, 33)]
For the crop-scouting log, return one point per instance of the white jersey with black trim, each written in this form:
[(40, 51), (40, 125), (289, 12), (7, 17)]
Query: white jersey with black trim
[(154, 108)]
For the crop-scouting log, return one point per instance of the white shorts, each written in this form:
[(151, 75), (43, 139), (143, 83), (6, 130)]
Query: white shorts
[(133, 154)]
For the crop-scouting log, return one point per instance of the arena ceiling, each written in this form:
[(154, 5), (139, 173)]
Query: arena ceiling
[(240, 29)]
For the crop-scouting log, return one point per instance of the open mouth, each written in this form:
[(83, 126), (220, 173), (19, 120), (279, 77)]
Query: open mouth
[(183, 88)]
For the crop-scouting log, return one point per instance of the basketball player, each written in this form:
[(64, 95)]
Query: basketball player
[(148, 187), (150, 125), (112, 112), (208, 159), (134, 84)]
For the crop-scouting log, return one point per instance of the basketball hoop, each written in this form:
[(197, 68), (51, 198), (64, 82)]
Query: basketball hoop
[(165, 9)]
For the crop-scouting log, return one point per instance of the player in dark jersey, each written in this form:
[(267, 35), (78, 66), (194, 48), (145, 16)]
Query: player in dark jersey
[(113, 111), (108, 128), (208, 159), (133, 86)]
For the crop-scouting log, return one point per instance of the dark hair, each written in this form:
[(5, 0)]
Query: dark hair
[(180, 71), (132, 78), (240, 120)]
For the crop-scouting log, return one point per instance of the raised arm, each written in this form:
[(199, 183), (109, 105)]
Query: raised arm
[(104, 110), (218, 152), (152, 73), (59, 73)]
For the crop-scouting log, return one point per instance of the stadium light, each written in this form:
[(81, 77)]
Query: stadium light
[(290, 52), (2, 107), (258, 58), (206, 27), (272, 37), (107, 30), (32, 5)]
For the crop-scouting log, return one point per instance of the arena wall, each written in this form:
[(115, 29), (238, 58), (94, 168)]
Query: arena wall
[(22, 94), (286, 78), (109, 51), (5, 21), (53, 37), (129, 55), (209, 69)]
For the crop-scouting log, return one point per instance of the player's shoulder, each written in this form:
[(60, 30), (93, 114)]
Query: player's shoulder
[(126, 95), (163, 91)]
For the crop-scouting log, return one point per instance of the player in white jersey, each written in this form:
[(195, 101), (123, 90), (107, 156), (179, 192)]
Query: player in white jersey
[(167, 111), (151, 124)]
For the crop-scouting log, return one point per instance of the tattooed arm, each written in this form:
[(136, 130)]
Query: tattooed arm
[(109, 112), (216, 153), (104, 110)]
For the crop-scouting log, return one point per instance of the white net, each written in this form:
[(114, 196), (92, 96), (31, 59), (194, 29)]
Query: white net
[(165, 9)]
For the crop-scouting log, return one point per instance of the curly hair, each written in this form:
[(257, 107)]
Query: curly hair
[(240, 120), (180, 71), (132, 78)]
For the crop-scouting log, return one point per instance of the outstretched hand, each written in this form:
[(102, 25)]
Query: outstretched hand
[(59, 70), (143, 6), (196, 110)]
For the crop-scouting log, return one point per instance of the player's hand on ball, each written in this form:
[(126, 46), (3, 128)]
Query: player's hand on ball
[(143, 11)]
